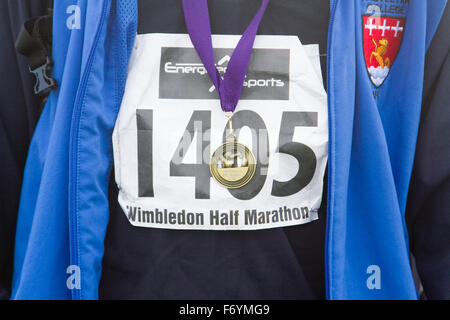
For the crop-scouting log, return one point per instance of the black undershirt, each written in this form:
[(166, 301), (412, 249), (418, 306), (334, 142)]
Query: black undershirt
[(282, 263)]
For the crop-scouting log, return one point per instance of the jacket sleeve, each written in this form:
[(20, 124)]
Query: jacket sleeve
[(428, 210)]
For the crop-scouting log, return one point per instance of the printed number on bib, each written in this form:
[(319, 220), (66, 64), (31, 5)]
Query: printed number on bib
[(199, 125)]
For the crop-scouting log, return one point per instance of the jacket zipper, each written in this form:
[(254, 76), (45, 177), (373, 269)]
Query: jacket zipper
[(73, 156), (333, 4)]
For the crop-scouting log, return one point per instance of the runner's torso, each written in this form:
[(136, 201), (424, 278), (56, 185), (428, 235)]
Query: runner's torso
[(144, 260)]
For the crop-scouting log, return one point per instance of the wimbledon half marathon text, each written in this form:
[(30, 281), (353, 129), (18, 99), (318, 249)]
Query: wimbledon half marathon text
[(216, 217)]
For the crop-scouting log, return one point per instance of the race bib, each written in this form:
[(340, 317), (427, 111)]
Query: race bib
[(170, 122)]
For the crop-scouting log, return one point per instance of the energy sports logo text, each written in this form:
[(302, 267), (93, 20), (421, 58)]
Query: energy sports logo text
[(183, 76), (198, 68)]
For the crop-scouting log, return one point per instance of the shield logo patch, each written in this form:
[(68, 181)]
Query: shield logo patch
[(382, 38)]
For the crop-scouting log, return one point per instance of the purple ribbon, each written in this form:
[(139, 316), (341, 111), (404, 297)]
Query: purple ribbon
[(196, 15)]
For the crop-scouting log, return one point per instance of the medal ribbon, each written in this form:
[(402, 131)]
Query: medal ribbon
[(229, 87)]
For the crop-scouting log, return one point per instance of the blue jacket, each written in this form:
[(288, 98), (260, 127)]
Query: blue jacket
[(373, 133)]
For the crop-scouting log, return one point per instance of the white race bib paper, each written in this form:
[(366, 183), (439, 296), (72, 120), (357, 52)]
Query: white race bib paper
[(170, 122)]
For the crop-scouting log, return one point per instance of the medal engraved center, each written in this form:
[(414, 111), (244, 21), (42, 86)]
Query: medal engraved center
[(233, 165)]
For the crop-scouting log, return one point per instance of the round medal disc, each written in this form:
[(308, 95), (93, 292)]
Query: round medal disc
[(233, 165)]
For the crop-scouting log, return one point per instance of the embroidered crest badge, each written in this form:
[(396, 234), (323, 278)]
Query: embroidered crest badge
[(382, 38)]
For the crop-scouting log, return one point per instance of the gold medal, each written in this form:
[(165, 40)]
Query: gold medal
[(233, 165)]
